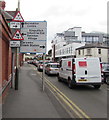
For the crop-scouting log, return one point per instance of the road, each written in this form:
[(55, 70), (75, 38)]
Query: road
[(92, 101)]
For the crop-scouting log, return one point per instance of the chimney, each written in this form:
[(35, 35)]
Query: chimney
[(2, 4)]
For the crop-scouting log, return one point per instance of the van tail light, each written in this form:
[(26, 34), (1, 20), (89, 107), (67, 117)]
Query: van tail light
[(101, 67), (73, 68)]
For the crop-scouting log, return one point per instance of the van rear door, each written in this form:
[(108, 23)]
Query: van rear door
[(88, 70)]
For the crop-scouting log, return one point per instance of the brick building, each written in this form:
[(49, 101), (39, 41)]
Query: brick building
[(7, 62), (5, 55)]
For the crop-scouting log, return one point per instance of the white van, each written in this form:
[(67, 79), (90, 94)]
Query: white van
[(80, 71)]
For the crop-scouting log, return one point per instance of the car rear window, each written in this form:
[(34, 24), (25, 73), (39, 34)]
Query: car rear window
[(55, 66)]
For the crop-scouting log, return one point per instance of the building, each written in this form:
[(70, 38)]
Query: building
[(64, 44), (6, 56), (94, 50), (95, 37)]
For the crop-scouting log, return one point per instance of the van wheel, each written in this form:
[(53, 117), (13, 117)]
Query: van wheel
[(107, 80), (69, 83), (97, 86), (59, 79)]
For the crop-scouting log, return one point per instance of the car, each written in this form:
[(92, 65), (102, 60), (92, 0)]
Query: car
[(52, 69), (40, 65), (35, 62), (105, 72), (29, 61)]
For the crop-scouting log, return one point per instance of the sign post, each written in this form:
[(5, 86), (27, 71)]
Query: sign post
[(15, 43), (35, 35)]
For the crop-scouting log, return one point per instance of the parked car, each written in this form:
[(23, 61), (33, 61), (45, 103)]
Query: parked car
[(105, 72), (80, 71), (35, 62), (40, 65), (52, 69), (30, 61)]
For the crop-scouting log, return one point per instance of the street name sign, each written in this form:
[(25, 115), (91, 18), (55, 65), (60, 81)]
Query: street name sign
[(14, 43), (15, 25), (17, 36)]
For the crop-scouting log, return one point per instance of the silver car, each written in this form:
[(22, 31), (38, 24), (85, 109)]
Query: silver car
[(52, 69)]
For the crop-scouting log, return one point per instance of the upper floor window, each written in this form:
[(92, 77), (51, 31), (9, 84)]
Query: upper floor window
[(108, 51), (99, 51), (79, 52), (88, 51), (83, 51)]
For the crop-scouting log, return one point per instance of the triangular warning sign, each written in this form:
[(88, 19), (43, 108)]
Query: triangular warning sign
[(18, 17), (17, 36)]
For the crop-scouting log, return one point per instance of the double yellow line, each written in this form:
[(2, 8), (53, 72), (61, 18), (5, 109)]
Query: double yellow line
[(74, 110), (79, 113)]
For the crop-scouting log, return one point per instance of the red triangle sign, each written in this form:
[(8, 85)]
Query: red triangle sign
[(18, 17), (17, 36)]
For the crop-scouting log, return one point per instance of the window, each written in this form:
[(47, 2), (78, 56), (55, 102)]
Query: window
[(95, 39), (108, 51), (79, 52), (89, 51), (99, 51), (83, 39), (83, 51)]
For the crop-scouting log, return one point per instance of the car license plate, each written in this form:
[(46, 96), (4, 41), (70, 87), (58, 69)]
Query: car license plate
[(82, 80), (56, 69)]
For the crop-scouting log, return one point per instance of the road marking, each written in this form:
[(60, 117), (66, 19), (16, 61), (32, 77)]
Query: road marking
[(71, 104)]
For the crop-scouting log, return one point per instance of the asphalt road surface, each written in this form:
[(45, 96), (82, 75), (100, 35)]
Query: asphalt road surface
[(92, 101)]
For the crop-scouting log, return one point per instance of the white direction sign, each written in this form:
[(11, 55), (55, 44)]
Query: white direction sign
[(14, 43), (35, 35), (34, 30), (15, 25), (33, 24), (33, 47)]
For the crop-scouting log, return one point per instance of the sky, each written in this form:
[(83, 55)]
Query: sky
[(61, 15)]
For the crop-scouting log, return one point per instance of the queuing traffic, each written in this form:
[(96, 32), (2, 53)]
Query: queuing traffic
[(77, 71)]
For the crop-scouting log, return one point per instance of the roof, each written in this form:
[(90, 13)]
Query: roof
[(9, 15), (93, 46)]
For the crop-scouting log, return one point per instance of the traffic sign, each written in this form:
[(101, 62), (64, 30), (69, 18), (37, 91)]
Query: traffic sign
[(33, 24), (35, 35), (15, 25), (14, 43), (18, 17), (33, 47), (34, 30), (17, 36)]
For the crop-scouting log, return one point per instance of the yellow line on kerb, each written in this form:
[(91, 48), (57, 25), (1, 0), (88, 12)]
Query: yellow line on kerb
[(67, 100)]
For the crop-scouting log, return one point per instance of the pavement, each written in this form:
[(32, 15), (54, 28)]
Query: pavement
[(29, 101)]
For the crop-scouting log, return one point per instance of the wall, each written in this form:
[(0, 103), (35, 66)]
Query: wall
[(94, 53), (5, 56)]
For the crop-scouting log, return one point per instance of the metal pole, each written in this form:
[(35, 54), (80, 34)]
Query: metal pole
[(43, 81), (17, 69), (13, 58)]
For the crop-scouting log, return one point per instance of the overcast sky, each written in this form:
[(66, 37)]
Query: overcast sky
[(60, 15)]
